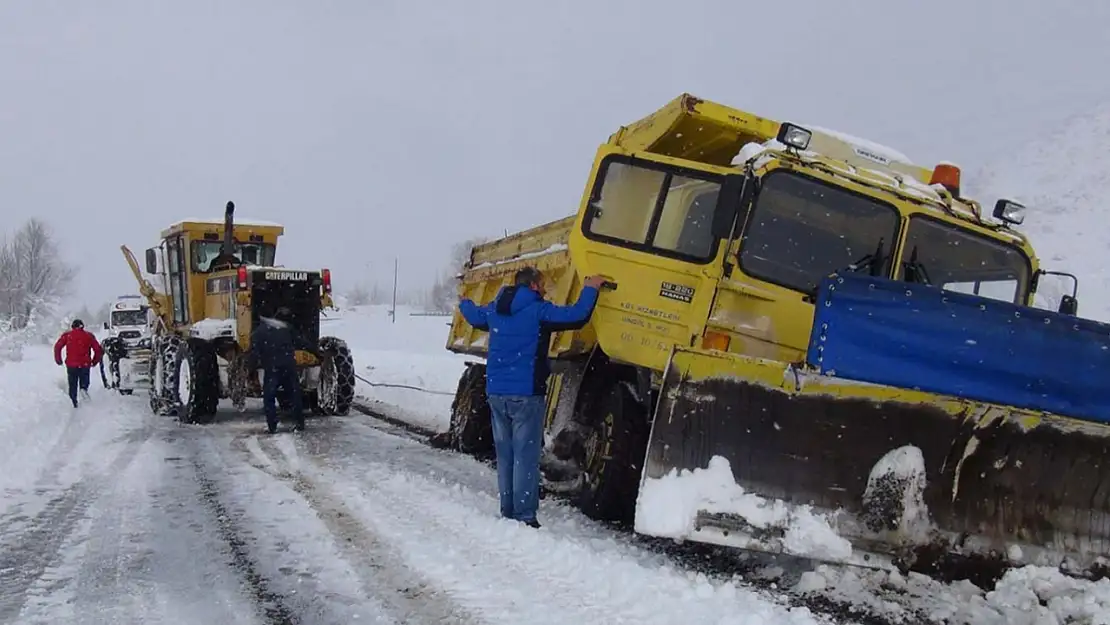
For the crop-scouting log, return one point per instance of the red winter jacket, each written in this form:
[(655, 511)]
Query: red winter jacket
[(78, 344)]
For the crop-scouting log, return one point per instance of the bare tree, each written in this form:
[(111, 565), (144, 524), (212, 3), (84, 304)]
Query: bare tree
[(444, 291), (33, 274)]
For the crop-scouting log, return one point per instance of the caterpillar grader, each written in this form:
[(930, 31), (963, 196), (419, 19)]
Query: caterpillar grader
[(217, 282), (801, 324)]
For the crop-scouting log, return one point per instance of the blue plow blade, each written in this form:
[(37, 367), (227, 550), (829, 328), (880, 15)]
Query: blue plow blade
[(922, 337)]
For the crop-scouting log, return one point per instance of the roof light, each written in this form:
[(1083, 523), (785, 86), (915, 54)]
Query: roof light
[(1009, 211), (326, 275), (947, 175), (242, 278), (794, 136)]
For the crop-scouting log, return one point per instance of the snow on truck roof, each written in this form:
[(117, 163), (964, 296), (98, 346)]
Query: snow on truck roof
[(877, 149)]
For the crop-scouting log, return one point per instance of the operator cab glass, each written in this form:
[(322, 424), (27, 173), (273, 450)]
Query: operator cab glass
[(204, 252), (800, 230), (960, 260)]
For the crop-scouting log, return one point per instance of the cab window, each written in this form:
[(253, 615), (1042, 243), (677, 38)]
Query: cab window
[(655, 209), (960, 260), (800, 230)]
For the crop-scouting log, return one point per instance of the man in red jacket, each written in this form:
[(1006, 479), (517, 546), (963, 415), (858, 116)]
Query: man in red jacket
[(78, 344)]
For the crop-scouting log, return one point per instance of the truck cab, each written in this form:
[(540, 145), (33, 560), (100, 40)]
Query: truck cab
[(129, 320)]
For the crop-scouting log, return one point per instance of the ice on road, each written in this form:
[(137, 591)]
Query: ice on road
[(113, 515)]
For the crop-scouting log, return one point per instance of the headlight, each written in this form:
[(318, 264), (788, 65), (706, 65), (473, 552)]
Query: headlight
[(1009, 211), (794, 136)]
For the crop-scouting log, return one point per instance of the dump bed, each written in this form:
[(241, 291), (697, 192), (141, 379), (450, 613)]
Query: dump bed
[(492, 266)]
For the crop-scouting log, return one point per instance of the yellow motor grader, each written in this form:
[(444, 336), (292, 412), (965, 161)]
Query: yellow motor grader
[(804, 326), (216, 282)]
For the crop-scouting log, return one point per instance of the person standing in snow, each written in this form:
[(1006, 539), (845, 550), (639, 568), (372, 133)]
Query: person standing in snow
[(83, 352), (520, 323), (273, 344)]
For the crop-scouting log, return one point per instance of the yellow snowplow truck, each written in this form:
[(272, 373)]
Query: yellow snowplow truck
[(810, 346), (217, 282)]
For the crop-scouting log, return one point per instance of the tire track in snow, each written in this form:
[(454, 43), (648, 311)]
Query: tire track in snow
[(47, 480), (406, 595), (27, 555), (272, 606)]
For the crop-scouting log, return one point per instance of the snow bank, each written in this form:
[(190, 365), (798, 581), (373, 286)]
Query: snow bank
[(1026, 596), (1063, 179), (668, 507), (404, 364)]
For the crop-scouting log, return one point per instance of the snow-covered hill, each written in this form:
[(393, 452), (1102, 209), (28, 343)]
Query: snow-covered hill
[(1064, 180)]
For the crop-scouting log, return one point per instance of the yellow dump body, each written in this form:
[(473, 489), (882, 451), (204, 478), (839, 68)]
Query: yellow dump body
[(492, 265)]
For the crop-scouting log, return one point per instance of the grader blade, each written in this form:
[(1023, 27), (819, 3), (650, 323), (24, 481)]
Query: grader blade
[(843, 459)]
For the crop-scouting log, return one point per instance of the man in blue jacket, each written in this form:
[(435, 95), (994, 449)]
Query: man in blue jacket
[(520, 323), (273, 344)]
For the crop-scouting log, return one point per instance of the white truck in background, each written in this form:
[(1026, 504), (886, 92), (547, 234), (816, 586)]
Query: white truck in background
[(127, 346)]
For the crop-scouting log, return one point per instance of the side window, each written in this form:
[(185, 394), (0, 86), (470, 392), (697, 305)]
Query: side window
[(175, 262), (627, 202), (655, 210), (686, 223)]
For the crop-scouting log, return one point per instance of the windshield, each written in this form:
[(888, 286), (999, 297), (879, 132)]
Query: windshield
[(963, 261), (204, 252), (129, 317), (801, 230)]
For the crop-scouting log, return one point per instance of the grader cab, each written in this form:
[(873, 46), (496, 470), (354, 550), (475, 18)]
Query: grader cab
[(216, 282), (806, 325)]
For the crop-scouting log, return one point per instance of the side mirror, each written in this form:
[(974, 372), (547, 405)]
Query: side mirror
[(106, 326), (152, 260), (1069, 305)]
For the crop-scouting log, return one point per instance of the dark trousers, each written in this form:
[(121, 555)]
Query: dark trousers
[(285, 377), (78, 376)]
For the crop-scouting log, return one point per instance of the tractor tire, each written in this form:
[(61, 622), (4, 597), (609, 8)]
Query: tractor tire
[(471, 429), (163, 355), (195, 385), (337, 378), (614, 454)]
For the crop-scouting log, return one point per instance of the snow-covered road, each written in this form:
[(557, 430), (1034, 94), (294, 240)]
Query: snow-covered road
[(113, 515)]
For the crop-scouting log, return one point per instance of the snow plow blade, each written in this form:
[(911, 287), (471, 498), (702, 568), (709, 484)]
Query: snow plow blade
[(866, 455)]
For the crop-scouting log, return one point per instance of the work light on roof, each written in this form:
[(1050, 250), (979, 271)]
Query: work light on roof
[(794, 136), (1009, 211)]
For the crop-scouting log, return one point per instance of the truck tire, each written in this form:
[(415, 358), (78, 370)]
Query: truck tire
[(337, 377), (471, 430), (195, 382), (163, 355), (614, 454)]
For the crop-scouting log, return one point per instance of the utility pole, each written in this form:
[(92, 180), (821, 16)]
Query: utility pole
[(394, 313)]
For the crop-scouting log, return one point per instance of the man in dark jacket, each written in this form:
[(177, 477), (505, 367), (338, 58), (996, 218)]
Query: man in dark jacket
[(273, 344), (520, 323), (83, 352)]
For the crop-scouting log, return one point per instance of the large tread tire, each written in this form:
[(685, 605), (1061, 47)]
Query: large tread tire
[(193, 395), (471, 428), (615, 454), (163, 355), (335, 395)]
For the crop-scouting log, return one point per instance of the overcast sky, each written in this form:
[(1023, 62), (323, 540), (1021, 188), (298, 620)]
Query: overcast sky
[(377, 128)]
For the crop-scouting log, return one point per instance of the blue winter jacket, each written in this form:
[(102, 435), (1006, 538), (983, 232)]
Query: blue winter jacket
[(520, 324)]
